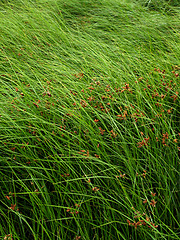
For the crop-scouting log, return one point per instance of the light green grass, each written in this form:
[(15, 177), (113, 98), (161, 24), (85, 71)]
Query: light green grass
[(89, 120)]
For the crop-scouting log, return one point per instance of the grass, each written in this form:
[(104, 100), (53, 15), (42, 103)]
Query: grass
[(89, 120)]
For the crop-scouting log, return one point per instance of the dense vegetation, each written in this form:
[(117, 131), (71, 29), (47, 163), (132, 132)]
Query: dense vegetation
[(89, 120)]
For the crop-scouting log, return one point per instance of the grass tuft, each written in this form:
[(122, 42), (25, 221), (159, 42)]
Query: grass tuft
[(89, 120)]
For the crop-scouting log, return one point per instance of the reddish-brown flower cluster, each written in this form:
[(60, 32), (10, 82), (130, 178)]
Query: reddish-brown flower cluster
[(8, 237), (65, 175), (75, 208), (77, 237), (101, 131), (153, 194), (142, 222), (84, 152), (175, 96), (8, 198), (159, 71), (83, 103), (165, 136), (13, 206), (113, 134), (143, 142), (122, 116), (144, 174), (127, 88), (121, 175), (48, 93), (96, 120), (95, 189), (36, 103), (79, 75), (153, 203)]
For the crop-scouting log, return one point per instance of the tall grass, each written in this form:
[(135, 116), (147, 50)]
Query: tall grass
[(89, 121)]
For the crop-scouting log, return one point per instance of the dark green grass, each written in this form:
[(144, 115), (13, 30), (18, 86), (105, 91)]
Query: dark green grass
[(89, 121)]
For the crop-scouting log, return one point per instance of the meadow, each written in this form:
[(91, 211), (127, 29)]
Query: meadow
[(89, 119)]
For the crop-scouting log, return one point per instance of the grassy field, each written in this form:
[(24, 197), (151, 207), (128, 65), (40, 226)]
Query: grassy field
[(89, 119)]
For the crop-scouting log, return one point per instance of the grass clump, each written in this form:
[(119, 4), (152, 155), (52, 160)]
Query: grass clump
[(89, 119)]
